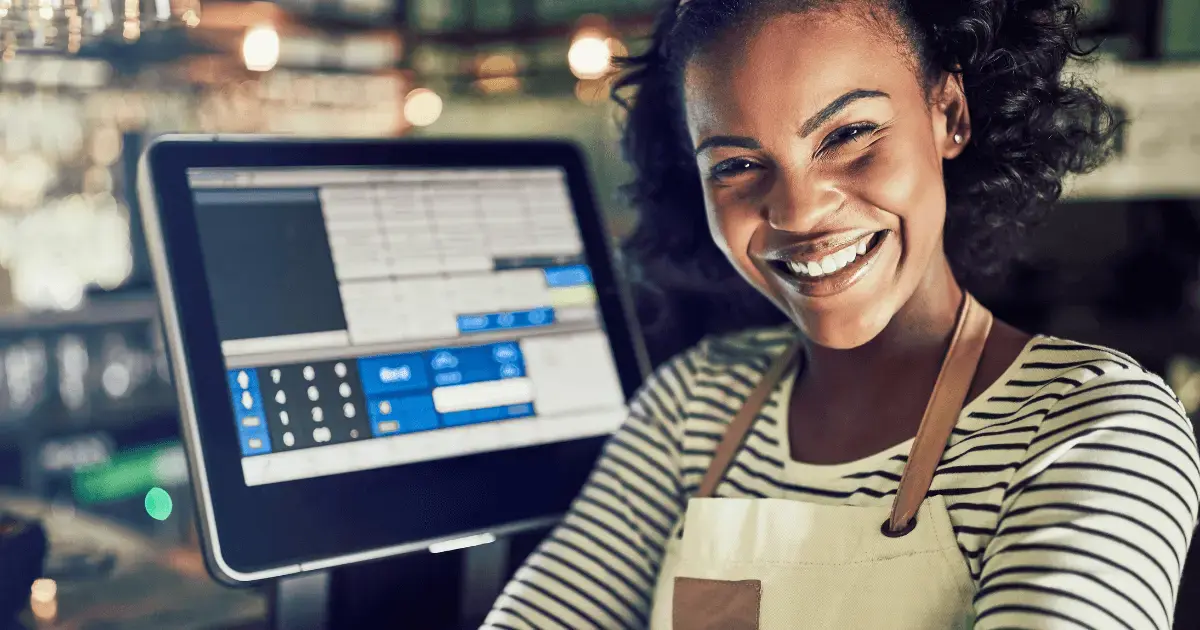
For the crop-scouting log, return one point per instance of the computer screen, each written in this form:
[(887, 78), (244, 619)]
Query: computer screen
[(378, 317)]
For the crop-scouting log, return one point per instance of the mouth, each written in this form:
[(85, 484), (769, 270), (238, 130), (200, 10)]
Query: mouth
[(829, 268)]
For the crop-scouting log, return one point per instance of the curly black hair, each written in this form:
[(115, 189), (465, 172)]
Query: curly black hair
[(1030, 128)]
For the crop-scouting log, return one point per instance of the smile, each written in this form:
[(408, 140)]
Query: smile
[(817, 273)]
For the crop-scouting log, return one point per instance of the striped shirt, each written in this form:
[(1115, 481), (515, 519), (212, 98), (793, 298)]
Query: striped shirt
[(1071, 484)]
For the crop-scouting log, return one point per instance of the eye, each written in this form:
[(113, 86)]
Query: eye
[(729, 169), (846, 134)]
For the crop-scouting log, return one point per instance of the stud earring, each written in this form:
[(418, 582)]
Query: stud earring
[(958, 138)]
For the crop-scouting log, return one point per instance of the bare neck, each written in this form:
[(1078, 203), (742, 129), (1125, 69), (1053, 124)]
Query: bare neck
[(916, 337)]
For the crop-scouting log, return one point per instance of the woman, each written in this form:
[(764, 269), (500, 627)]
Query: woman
[(891, 457)]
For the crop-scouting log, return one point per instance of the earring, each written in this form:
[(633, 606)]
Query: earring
[(958, 138)]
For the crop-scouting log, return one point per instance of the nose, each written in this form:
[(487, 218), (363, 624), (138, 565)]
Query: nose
[(802, 203)]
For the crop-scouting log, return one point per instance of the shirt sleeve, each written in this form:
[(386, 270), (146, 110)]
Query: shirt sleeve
[(598, 568), (1096, 522)]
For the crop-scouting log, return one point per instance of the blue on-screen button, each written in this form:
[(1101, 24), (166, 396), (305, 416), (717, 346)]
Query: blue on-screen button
[(509, 370), (444, 361), (407, 414), (507, 320), (490, 414), (448, 378), (472, 323), (571, 276), (393, 373), (506, 352)]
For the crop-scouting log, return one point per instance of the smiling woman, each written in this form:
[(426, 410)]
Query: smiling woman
[(887, 454), (1026, 128)]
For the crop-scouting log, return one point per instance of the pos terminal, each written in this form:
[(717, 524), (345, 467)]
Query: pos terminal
[(381, 347)]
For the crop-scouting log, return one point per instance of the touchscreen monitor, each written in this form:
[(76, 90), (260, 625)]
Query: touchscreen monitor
[(382, 346)]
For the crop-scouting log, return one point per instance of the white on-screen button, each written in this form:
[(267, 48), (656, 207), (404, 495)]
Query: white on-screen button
[(510, 391)]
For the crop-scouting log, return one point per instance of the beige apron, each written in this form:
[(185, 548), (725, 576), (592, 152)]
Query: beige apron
[(774, 564)]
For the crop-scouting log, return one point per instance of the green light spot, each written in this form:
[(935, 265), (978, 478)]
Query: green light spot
[(158, 504)]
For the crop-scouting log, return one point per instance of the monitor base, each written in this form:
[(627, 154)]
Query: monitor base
[(302, 602)]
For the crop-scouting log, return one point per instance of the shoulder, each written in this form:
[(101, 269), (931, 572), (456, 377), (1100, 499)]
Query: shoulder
[(714, 355), (723, 364), (1088, 370), (1061, 396), (747, 347), (1074, 358), (1095, 395), (709, 380)]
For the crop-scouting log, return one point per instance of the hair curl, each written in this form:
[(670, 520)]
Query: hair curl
[(1030, 128)]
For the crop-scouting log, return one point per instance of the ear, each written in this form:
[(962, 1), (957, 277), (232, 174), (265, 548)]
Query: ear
[(951, 117)]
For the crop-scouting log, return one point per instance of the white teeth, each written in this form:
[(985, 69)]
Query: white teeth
[(831, 263)]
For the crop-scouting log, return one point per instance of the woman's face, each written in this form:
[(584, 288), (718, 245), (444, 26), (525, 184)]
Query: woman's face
[(821, 153)]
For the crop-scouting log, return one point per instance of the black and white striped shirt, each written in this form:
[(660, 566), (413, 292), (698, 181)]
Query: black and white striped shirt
[(1071, 484)]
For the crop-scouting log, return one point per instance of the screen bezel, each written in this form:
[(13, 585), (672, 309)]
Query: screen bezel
[(254, 533)]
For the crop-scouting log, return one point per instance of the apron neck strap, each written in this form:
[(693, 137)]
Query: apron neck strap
[(941, 413), (739, 427)]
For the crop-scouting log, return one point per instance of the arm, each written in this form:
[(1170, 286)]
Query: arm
[(1096, 522), (599, 566)]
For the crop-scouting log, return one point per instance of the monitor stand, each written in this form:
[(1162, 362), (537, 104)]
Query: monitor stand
[(301, 602), (484, 572)]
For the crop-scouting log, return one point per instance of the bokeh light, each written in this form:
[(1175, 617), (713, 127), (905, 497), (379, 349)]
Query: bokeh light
[(589, 56), (422, 107), (498, 74), (159, 504), (43, 599), (260, 48)]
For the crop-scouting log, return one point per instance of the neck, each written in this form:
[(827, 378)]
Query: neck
[(918, 335)]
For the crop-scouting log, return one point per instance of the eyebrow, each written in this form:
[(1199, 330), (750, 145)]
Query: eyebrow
[(809, 126), (838, 104), (740, 142)]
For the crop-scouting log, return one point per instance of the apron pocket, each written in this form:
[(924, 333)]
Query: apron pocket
[(716, 604)]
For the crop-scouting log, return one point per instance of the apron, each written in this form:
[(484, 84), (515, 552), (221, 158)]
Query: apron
[(771, 564)]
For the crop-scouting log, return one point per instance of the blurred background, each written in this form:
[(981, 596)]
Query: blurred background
[(88, 425)]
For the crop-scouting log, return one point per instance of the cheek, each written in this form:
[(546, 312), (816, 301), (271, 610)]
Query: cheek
[(907, 184), (732, 230)]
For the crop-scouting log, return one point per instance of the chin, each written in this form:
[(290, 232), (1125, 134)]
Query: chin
[(841, 331)]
